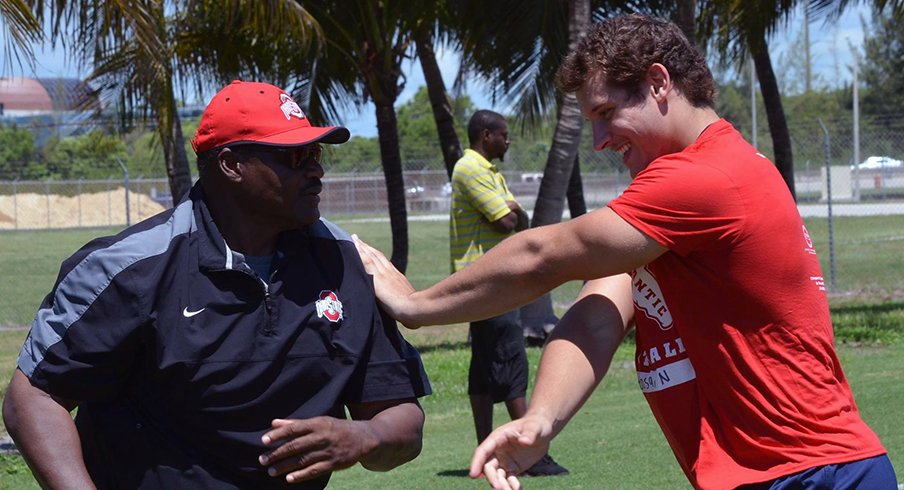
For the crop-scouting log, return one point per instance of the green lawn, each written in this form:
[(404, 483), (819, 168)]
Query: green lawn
[(869, 255), (613, 442), (30, 261), (868, 259)]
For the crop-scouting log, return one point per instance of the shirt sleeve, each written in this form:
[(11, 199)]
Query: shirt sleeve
[(488, 196), (392, 368), (684, 206), (84, 339)]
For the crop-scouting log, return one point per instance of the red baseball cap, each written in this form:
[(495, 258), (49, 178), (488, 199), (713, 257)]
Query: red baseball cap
[(259, 113)]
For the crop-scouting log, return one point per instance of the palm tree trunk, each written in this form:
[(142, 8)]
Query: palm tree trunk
[(575, 194), (551, 196), (169, 127), (557, 174), (388, 130), (567, 135), (775, 114), (686, 18), (439, 101)]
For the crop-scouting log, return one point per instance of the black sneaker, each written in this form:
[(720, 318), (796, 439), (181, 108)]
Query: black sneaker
[(546, 467)]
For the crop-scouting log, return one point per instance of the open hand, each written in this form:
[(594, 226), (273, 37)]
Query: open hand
[(391, 286), (509, 451)]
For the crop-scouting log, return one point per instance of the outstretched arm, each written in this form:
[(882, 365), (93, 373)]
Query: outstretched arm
[(574, 362), (45, 434), (383, 435), (516, 271)]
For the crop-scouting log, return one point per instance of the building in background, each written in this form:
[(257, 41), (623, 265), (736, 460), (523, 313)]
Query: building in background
[(48, 106)]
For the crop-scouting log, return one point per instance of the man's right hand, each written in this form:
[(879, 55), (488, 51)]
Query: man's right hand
[(510, 450), (391, 286)]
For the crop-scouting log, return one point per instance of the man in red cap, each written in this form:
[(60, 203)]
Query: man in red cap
[(218, 344)]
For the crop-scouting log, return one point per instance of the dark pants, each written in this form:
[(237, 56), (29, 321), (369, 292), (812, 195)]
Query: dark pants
[(866, 474), (498, 359)]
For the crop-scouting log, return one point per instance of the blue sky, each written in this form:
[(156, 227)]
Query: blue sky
[(830, 49)]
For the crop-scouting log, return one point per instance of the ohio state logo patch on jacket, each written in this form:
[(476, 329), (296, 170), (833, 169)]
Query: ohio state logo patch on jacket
[(329, 306)]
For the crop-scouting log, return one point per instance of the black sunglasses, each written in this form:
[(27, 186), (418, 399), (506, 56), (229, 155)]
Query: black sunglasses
[(293, 156)]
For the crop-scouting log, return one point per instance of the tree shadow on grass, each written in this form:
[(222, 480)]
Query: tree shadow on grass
[(872, 308), (442, 346)]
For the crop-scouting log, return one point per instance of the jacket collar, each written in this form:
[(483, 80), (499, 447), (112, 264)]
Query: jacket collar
[(213, 251)]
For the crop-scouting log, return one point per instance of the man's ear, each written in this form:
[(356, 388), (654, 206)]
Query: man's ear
[(660, 81), (229, 166)]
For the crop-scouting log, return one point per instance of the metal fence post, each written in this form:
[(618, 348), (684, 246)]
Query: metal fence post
[(138, 197), (15, 204), (47, 199), (80, 201), (109, 202), (125, 173), (829, 200)]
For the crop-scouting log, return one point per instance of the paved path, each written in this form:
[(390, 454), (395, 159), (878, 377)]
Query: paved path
[(871, 209), (7, 446), (806, 211)]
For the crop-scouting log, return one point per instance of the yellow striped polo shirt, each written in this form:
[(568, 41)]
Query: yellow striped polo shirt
[(479, 194)]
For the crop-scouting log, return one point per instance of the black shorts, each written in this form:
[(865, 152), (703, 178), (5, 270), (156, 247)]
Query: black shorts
[(498, 359)]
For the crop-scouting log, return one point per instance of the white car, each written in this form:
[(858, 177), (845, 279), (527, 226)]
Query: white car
[(877, 163)]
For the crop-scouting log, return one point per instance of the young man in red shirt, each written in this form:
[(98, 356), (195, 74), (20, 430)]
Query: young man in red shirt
[(706, 255)]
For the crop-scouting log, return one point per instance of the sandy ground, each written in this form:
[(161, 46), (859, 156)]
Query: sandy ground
[(38, 211)]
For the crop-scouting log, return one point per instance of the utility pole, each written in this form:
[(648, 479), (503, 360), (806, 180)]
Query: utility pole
[(808, 74), (856, 101)]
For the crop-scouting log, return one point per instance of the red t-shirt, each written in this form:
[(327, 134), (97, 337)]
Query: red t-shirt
[(734, 342)]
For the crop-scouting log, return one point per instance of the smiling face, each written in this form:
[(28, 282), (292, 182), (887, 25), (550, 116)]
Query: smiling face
[(632, 124), (281, 186)]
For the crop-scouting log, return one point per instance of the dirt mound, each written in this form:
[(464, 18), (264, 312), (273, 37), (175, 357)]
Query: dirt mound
[(39, 211)]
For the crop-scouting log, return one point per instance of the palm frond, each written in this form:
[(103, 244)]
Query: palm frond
[(21, 30)]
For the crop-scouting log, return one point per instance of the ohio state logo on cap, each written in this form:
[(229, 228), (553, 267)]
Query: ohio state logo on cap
[(329, 306), (289, 107)]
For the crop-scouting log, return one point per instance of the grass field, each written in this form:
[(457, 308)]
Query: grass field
[(613, 442), (868, 258)]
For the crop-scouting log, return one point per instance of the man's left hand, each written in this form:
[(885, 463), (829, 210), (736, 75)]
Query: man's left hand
[(523, 222)]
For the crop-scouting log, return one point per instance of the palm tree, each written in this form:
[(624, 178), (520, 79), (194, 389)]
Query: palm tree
[(144, 56), (436, 89), (685, 17), (567, 135), (21, 30), (127, 46), (366, 43), (140, 56), (742, 29), (517, 47)]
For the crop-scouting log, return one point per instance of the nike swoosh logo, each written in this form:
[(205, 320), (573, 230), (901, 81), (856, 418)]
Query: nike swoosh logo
[(189, 314)]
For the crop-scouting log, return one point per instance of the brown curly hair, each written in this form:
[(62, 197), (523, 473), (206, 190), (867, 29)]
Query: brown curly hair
[(623, 48)]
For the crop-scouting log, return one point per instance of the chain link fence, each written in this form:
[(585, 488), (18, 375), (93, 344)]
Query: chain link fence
[(855, 212)]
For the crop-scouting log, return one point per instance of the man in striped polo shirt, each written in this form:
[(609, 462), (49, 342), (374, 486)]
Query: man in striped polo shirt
[(483, 213)]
